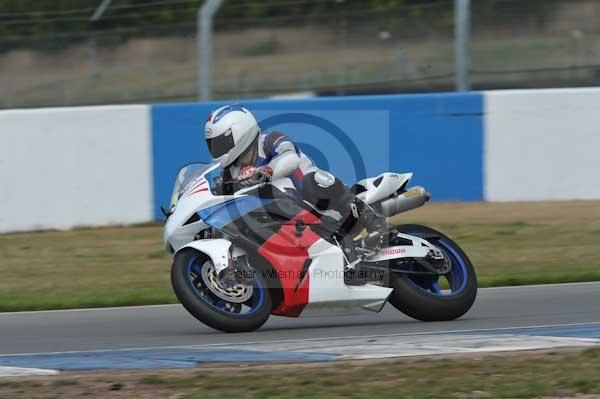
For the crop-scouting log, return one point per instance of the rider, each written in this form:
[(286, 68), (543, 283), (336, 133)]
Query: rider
[(248, 155)]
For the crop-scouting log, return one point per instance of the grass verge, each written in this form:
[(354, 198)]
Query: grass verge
[(528, 375), (509, 244)]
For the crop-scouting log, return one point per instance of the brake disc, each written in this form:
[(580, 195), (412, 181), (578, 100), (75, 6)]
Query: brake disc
[(237, 293)]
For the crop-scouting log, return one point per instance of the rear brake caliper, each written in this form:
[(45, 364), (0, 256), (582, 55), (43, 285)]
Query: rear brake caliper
[(436, 261)]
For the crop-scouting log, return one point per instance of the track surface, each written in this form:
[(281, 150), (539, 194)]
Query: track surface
[(170, 325)]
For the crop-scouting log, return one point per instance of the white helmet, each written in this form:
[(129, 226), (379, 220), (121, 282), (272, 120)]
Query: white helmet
[(229, 131)]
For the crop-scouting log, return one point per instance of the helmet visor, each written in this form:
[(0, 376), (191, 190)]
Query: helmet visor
[(220, 145)]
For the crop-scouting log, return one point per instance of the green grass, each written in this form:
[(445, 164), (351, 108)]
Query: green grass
[(491, 377), (509, 244), (63, 383), (84, 268), (152, 380), (528, 375)]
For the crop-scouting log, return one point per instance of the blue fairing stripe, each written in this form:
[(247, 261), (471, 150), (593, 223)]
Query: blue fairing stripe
[(220, 215)]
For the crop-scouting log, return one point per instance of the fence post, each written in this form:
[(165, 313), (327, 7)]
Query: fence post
[(462, 28), (204, 42), (93, 53)]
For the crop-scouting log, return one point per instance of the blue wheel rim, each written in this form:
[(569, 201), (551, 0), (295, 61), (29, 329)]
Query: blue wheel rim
[(457, 277), (219, 305)]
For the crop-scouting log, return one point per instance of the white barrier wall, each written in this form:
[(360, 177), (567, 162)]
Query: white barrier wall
[(94, 166), (542, 145), (66, 167)]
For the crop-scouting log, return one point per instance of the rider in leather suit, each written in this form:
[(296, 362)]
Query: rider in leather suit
[(248, 155)]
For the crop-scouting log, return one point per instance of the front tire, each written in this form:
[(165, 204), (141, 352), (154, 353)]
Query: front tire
[(191, 288), (421, 297)]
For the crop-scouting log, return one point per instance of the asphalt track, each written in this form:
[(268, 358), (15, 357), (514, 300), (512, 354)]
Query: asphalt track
[(170, 326)]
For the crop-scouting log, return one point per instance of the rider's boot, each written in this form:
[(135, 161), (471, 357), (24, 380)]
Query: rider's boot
[(379, 231), (352, 276)]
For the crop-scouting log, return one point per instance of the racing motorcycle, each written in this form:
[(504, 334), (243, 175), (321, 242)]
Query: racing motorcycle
[(263, 250)]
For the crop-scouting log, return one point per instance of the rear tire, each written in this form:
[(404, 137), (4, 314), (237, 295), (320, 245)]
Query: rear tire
[(420, 304), (199, 307)]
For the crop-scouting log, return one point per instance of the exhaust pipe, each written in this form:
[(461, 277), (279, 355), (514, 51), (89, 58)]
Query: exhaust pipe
[(412, 198)]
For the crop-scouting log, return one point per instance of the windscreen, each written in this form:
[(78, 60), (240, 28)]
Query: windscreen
[(189, 174)]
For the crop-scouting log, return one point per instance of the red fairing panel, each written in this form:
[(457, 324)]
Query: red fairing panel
[(288, 255)]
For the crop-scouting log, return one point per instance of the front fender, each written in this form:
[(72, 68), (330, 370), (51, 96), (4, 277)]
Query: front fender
[(216, 249)]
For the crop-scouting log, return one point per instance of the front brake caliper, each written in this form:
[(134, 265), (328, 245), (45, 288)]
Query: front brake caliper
[(237, 272)]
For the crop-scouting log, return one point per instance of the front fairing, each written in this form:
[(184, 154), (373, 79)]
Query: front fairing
[(194, 178), (253, 217), (195, 188)]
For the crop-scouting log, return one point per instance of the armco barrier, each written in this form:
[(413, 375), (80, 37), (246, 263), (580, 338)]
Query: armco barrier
[(66, 167)]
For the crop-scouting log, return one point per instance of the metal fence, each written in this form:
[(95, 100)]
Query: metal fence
[(516, 44), (357, 51)]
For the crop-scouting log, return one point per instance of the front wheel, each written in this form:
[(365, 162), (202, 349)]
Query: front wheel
[(238, 308), (430, 298)]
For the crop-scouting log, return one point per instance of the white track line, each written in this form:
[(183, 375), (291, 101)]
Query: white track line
[(513, 287), (230, 344), (90, 309), (23, 372)]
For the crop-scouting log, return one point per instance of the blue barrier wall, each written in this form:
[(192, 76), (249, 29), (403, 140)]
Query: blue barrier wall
[(439, 137)]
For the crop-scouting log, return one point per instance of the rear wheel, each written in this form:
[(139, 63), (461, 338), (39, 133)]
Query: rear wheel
[(237, 308), (435, 298)]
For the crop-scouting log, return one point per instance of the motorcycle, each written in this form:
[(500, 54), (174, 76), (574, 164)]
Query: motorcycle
[(264, 251)]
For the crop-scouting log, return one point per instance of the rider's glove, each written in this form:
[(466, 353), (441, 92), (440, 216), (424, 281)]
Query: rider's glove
[(266, 172), (250, 175), (246, 174)]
